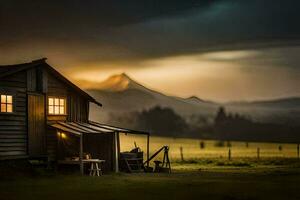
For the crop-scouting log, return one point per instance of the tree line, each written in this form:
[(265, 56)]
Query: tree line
[(164, 121)]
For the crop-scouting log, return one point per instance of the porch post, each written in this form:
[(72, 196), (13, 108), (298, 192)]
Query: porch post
[(119, 148), (148, 138), (116, 141), (58, 134), (81, 154)]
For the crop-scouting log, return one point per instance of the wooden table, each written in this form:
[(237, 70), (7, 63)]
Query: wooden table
[(95, 169)]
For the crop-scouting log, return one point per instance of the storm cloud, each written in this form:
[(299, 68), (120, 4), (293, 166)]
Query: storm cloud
[(131, 29)]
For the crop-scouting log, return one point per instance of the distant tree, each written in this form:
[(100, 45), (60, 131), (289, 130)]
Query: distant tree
[(162, 120), (221, 116)]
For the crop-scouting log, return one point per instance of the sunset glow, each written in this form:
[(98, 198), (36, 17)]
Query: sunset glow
[(216, 75)]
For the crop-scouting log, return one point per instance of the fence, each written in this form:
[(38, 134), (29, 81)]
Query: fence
[(195, 148)]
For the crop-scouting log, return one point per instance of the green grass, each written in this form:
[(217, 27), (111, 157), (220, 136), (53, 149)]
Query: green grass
[(205, 173), (240, 179), (239, 162), (212, 148)]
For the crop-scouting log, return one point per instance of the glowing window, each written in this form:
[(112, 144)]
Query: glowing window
[(56, 106), (6, 103)]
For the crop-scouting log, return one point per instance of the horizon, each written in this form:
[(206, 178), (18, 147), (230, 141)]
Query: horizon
[(86, 85)]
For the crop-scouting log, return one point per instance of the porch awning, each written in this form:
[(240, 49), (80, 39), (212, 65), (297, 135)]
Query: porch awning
[(79, 128)]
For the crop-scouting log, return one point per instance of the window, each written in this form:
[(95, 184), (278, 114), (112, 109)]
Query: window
[(56, 106), (6, 103)]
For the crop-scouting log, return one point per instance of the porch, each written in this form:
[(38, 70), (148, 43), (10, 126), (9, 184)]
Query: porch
[(80, 142)]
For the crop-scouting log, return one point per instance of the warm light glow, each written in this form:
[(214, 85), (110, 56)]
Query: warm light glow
[(6, 103), (61, 135), (9, 99), (56, 106), (3, 108), (3, 98), (9, 108), (219, 76), (50, 101)]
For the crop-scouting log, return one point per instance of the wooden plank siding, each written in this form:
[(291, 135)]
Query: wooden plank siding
[(36, 125), (13, 126), (77, 105), (77, 110)]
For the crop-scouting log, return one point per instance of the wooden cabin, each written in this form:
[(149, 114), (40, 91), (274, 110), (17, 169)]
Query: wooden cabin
[(42, 112)]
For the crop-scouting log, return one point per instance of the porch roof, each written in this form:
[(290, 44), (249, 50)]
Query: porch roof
[(79, 128)]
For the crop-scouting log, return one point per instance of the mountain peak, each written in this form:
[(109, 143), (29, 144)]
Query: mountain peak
[(124, 75), (120, 78), (195, 98), (118, 82)]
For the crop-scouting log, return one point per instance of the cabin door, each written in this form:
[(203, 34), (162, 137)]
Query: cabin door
[(36, 125)]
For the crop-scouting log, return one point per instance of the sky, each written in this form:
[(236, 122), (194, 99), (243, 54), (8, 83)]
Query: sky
[(222, 50)]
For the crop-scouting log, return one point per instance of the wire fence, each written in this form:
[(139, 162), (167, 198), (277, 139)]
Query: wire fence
[(196, 149)]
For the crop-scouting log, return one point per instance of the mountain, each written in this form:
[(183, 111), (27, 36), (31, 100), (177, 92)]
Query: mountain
[(121, 95), (120, 82)]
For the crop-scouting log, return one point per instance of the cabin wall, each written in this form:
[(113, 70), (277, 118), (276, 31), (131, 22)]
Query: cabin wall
[(13, 126), (100, 147), (77, 109), (77, 105)]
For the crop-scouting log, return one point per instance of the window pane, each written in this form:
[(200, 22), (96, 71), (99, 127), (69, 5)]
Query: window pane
[(3, 107), (9, 99), (51, 110), (56, 101), (56, 109), (61, 102), (61, 110), (50, 101), (9, 108), (3, 98), (56, 106)]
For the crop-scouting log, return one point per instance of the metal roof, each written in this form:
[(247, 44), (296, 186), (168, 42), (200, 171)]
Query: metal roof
[(118, 129), (79, 128)]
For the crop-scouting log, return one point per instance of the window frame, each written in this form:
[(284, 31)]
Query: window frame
[(65, 106), (13, 103)]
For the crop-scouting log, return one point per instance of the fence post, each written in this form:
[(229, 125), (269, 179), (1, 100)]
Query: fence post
[(229, 154), (298, 151), (258, 152), (181, 153), (202, 145)]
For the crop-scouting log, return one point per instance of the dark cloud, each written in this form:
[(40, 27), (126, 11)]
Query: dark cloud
[(122, 30), (86, 16)]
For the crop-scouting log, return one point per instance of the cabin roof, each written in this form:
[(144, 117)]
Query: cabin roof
[(6, 70), (79, 128)]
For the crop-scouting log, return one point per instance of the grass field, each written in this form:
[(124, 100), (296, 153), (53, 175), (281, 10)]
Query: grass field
[(212, 149), (186, 182), (205, 173)]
